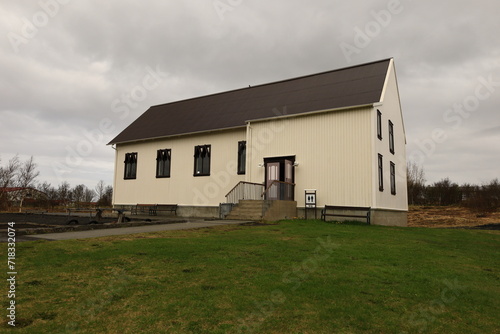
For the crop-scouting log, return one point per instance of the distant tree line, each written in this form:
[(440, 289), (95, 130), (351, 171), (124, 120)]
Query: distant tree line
[(19, 186), (481, 198)]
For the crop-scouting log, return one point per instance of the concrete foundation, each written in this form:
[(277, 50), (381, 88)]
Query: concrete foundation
[(387, 217), (384, 217), (279, 210)]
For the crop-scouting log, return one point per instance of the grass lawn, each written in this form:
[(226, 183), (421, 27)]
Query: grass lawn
[(291, 277)]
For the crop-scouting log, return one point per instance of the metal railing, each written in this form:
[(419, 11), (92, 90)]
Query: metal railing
[(279, 190), (245, 191)]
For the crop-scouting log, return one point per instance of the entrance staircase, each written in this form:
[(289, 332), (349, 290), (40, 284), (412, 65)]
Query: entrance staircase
[(263, 210)]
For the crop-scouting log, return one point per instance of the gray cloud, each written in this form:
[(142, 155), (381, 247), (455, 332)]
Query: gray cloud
[(65, 79)]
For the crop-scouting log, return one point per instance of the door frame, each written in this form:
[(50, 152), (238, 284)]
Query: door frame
[(282, 172)]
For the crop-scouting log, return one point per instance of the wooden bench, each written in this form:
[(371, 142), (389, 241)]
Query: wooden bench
[(145, 208), (330, 210), (97, 217), (152, 209), (164, 207)]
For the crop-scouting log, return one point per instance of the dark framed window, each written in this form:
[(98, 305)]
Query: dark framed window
[(130, 166), (379, 124), (393, 178), (163, 162), (242, 157), (380, 172), (202, 155), (391, 137)]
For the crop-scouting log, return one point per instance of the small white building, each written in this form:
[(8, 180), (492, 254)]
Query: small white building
[(339, 132)]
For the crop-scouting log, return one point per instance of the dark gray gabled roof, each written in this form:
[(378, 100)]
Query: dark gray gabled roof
[(347, 87)]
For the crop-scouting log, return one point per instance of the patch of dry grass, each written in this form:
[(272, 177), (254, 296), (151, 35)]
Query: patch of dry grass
[(448, 216)]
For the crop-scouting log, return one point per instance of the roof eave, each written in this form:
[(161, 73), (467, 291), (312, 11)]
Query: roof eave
[(368, 105), (176, 135)]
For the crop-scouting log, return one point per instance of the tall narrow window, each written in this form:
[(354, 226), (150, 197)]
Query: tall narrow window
[(380, 172), (242, 157), (163, 162), (379, 124), (393, 178), (391, 137), (130, 166), (202, 160)]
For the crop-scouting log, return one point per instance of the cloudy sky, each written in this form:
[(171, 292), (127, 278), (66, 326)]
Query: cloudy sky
[(74, 74)]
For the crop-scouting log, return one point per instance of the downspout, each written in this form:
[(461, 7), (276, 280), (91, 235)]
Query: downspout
[(114, 176), (249, 158)]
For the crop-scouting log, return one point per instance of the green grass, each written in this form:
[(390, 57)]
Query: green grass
[(293, 277)]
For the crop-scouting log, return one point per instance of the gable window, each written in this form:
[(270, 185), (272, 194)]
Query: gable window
[(380, 172), (393, 178), (130, 166), (202, 160), (163, 162), (379, 124), (391, 137), (242, 157)]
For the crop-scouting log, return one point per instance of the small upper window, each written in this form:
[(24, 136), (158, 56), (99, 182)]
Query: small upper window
[(393, 178), (380, 172), (202, 160), (163, 162), (379, 124), (242, 157), (130, 166), (391, 137)]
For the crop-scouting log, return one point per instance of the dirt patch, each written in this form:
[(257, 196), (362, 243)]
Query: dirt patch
[(450, 216)]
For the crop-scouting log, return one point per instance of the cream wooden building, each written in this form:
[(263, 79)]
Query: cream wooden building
[(339, 132)]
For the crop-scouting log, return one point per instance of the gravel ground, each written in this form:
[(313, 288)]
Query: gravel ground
[(32, 220)]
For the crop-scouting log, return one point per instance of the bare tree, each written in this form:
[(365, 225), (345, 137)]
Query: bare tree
[(27, 173), (88, 195), (25, 178), (416, 182), (99, 190), (64, 192), (50, 193), (78, 193), (107, 198), (444, 192), (7, 179), (9, 172)]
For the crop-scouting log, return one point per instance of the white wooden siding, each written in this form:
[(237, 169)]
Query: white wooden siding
[(332, 149), (182, 187), (391, 111)]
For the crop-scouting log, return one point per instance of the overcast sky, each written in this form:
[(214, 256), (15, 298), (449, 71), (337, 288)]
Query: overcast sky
[(74, 74)]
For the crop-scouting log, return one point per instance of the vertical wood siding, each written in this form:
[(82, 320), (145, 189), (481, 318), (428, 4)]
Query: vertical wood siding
[(332, 149), (182, 187)]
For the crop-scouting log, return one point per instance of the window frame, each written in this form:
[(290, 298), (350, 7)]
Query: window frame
[(379, 124), (203, 152), (130, 167), (393, 178), (163, 155), (391, 137), (242, 157), (380, 172)]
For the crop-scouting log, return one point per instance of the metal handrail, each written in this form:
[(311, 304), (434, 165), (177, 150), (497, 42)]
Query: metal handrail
[(244, 190), (279, 182), (243, 182)]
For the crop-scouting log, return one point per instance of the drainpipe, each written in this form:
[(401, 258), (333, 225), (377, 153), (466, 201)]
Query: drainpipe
[(249, 158)]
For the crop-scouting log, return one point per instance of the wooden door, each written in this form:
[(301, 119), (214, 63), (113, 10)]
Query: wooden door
[(272, 174)]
